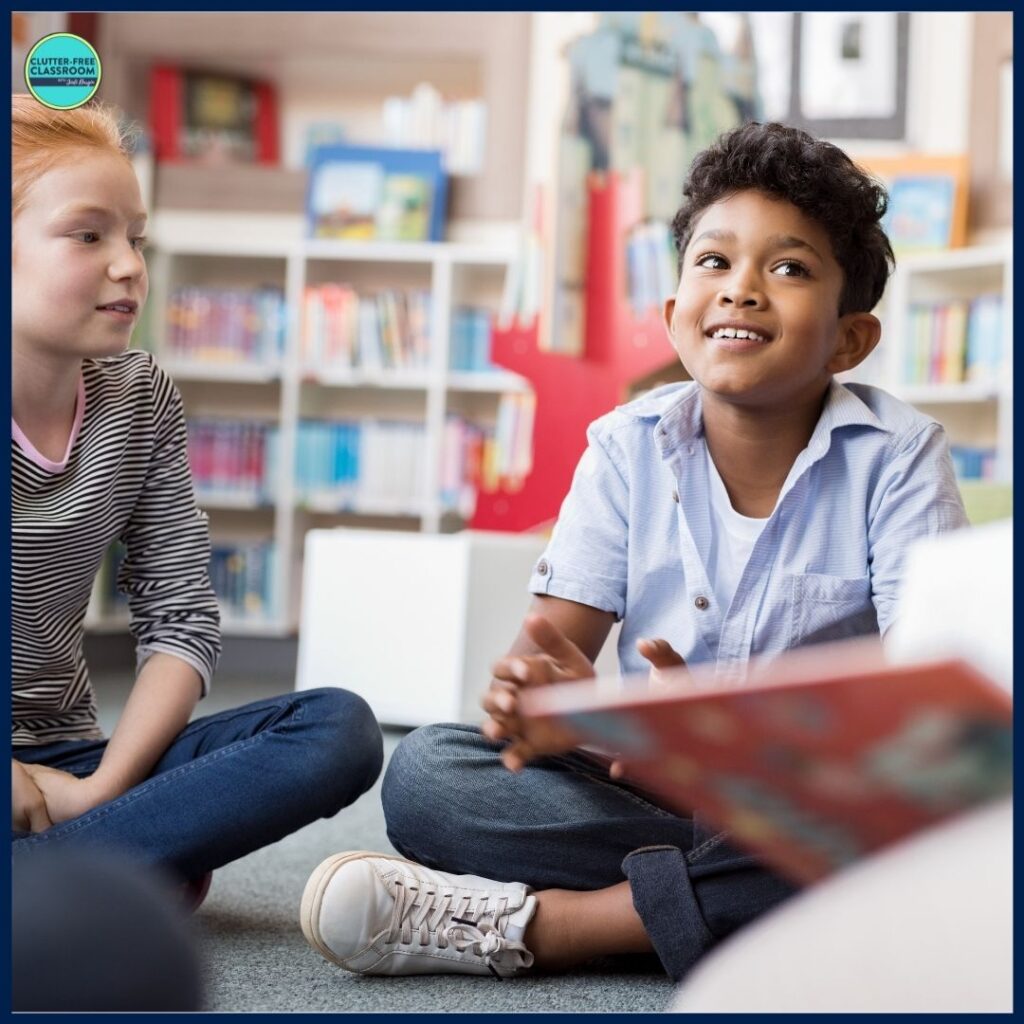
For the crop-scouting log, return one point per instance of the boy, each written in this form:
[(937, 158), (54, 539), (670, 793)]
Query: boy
[(759, 508)]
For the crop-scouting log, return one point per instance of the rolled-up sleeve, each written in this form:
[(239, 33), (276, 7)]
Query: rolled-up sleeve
[(165, 572), (917, 497), (585, 560)]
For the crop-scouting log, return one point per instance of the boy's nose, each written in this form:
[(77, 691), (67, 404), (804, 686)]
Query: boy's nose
[(741, 296)]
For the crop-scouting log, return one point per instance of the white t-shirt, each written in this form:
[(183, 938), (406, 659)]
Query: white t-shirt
[(732, 539)]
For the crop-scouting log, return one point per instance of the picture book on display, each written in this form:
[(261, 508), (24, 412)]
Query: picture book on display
[(811, 761)]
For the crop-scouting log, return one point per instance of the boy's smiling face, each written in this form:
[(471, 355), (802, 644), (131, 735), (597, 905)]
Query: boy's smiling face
[(756, 318)]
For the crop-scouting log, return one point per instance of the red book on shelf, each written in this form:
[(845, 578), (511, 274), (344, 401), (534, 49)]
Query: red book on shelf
[(813, 761), (212, 117)]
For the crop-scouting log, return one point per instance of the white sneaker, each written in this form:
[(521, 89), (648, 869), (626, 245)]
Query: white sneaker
[(373, 913)]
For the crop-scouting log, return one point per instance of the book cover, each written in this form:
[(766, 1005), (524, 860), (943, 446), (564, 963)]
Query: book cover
[(811, 762)]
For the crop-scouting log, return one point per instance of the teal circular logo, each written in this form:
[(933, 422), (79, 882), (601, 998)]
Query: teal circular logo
[(63, 71)]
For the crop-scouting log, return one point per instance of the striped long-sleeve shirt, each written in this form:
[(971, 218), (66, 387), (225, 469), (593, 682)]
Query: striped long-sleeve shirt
[(125, 475)]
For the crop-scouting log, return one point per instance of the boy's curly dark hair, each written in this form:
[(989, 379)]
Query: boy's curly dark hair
[(817, 178)]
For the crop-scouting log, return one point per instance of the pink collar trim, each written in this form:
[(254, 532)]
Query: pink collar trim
[(41, 460)]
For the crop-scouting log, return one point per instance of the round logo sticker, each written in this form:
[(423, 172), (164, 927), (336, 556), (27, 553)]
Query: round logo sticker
[(62, 71)]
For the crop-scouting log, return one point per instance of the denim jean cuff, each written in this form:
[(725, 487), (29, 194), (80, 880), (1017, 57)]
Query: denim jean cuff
[(663, 896)]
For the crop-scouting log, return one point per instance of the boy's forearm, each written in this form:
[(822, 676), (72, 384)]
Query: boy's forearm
[(158, 708)]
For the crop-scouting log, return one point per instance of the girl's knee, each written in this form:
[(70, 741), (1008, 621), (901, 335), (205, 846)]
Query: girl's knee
[(350, 754)]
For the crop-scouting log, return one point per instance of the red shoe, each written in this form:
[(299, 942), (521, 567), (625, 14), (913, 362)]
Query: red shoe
[(194, 892)]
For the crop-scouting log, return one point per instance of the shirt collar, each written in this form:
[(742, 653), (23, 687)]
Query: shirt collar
[(677, 411)]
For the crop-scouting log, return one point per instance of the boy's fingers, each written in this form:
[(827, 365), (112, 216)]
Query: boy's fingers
[(660, 653), (553, 642)]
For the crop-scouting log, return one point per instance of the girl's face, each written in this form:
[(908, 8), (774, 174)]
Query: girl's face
[(78, 277)]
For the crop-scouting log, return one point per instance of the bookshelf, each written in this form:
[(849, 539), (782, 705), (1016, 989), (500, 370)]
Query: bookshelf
[(969, 389), (282, 392)]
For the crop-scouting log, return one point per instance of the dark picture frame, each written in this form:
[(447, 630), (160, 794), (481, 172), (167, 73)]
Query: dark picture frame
[(869, 127)]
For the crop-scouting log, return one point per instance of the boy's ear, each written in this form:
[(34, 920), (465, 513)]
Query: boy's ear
[(859, 333), (670, 308)]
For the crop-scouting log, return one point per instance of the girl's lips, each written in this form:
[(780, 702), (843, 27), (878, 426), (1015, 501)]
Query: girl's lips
[(118, 315)]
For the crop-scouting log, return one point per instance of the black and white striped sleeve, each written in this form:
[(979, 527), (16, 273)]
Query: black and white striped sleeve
[(167, 539)]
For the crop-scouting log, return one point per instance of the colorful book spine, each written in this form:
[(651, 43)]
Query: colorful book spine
[(242, 576), (953, 342), (973, 463), (220, 325), (341, 329), (231, 461), (470, 349)]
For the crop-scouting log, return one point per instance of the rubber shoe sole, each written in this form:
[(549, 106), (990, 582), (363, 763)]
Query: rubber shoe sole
[(313, 897)]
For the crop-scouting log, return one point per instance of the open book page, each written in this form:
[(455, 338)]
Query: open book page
[(813, 760)]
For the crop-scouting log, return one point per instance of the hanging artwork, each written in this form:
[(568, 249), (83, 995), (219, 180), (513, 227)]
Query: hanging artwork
[(648, 91), (849, 74)]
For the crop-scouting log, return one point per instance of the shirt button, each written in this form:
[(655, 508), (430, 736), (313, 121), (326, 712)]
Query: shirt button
[(542, 568), (675, 497), (701, 602)]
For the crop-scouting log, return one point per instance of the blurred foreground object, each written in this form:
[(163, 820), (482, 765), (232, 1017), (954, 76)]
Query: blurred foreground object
[(92, 933)]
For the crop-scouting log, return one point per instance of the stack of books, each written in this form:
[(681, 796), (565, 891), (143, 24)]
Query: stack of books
[(232, 461), (973, 463), (471, 340), (344, 330), (953, 342), (242, 577), (369, 466), (222, 325)]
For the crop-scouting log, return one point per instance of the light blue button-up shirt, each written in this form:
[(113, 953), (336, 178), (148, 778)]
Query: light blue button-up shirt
[(634, 533)]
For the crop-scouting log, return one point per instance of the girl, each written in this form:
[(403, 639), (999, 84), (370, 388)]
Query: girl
[(98, 452)]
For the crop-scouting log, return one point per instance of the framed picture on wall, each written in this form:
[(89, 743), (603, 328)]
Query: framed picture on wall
[(849, 74), (927, 200)]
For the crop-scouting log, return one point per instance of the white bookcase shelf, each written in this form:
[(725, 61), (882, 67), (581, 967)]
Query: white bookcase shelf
[(973, 412), (218, 249)]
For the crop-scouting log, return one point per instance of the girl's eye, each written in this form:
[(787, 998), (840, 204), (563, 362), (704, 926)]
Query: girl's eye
[(791, 268), (712, 261), (139, 244), (88, 236)]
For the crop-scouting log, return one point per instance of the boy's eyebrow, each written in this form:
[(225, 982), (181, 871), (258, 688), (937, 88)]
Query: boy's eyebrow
[(773, 242), (87, 208)]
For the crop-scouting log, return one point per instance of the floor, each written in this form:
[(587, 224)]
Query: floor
[(255, 958)]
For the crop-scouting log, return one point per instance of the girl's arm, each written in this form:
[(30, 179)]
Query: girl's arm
[(158, 708)]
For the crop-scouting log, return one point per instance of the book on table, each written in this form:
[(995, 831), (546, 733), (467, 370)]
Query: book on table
[(812, 760)]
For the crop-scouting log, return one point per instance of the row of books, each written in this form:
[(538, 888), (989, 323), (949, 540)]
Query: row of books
[(973, 463), (371, 466), (241, 574), (424, 120), (651, 266), (343, 329), (470, 348), (226, 324), (953, 342), (232, 461)]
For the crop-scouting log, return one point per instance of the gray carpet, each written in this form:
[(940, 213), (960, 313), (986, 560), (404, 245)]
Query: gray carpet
[(255, 958)]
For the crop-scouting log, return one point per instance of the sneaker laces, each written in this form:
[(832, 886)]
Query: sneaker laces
[(456, 919)]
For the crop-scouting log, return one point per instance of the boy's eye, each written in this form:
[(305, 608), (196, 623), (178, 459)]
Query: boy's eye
[(87, 236), (791, 268), (139, 243), (712, 261)]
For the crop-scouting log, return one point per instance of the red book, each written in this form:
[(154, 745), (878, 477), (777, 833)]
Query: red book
[(812, 761)]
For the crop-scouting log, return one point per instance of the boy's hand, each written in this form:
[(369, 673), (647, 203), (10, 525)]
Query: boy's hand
[(28, 805), (66, 795), (662, 657), (559, 661)]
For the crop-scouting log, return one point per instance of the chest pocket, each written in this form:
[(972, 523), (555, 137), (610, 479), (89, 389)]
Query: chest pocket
[(824, 608)]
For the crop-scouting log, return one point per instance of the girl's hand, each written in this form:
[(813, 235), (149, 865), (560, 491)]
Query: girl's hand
[(560, 661), (28, 805), (662, 658), (66, 795)]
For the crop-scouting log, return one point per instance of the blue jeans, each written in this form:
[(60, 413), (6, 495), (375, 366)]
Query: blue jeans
[(228, 784), (563, 823)]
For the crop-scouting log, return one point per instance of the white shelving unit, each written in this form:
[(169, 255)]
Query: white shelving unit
[(972, 412), (248, 251)]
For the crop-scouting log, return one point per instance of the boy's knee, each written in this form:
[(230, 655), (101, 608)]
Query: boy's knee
[(421, 769)]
